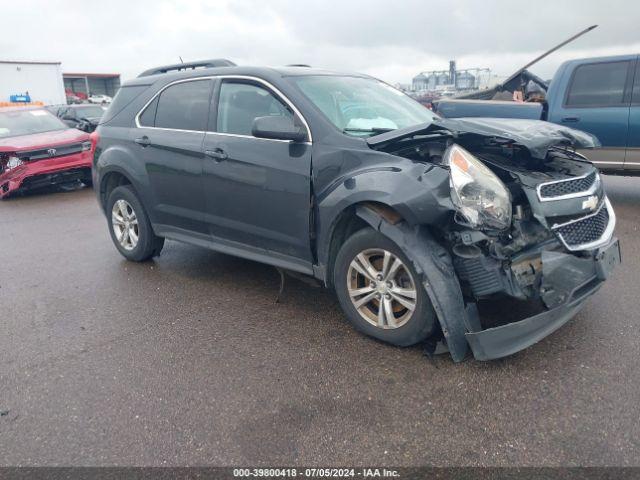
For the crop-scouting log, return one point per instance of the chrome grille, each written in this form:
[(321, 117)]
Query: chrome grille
[(588, 232), (568, 187)]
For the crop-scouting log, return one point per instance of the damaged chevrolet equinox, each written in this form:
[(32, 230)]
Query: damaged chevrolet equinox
[(416, 222)]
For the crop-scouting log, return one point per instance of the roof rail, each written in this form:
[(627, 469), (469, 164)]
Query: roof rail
[(217, 62)]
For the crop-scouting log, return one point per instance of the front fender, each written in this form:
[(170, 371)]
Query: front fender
[(419, 192), (438, 277)]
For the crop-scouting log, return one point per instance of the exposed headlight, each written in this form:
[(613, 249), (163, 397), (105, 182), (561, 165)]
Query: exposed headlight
[(86, 146), (13, 162), (478, 194)]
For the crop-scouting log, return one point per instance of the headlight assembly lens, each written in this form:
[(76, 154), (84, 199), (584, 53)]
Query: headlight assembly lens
[(13, 162), (478, 194)]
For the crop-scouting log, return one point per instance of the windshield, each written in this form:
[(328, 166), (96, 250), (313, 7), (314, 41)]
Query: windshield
[(363, 106), (90, 111), (27, 122)]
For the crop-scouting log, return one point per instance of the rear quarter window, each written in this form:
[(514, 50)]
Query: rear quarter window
[(124, 97)]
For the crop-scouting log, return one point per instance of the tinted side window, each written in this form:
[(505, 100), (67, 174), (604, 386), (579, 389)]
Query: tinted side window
[(241, 103), (123, 98), (184, 106), (148, 117), (598, 84), (635, 97)]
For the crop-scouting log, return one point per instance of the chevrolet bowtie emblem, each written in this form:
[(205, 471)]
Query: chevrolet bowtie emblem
[(591, 203)]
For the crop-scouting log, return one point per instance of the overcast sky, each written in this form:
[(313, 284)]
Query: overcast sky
[(392, 40)]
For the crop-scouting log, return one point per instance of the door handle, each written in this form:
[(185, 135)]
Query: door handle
[(218, 154), (570, 119), (143, 141)]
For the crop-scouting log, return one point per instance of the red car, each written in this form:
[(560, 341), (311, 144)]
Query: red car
[(37, 149)]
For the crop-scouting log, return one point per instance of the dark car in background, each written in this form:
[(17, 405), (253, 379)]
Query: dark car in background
[(415, 221), (38, 150), (83, 117)]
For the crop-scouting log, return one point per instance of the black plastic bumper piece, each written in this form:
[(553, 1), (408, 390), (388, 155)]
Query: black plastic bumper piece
[(508, 339), (46, 179), (511, 338)]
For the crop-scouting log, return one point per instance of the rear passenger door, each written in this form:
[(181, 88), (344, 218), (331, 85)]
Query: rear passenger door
[(597, 101), (632, 160), (257, 190), (169, 140)]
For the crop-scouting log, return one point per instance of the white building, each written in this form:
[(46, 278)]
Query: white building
[(42, 80)]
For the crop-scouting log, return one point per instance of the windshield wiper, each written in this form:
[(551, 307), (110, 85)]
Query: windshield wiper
[(368, 130)]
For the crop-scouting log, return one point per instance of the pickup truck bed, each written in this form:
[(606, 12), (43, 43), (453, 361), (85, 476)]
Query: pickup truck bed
[(453, 108)]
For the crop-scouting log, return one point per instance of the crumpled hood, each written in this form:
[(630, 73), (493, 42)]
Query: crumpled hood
[(536, 136)]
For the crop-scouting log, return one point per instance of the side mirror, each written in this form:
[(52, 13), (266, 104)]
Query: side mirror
[(277, 127)]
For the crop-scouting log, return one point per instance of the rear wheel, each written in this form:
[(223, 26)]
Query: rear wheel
[(130, 227), (380, 291)]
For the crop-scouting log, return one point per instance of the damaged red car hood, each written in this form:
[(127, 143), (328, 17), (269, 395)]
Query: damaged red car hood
[(45, 139)]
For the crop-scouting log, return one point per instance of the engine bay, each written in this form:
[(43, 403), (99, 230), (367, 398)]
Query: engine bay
[(492, 261)]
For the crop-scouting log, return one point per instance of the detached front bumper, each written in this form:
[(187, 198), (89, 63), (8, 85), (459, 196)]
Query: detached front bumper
[(40, 173), (567, 281)]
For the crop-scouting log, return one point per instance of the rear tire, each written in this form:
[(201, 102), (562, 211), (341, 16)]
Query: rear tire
[(380, 291), (130, 227)]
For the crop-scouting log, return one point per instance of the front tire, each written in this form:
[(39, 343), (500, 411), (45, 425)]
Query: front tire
[(380, 291), (130, 227)]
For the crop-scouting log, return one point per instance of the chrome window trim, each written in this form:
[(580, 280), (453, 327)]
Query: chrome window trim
[(592, 189), (603, 240), (157, 94), (269, 85), (238, 135)]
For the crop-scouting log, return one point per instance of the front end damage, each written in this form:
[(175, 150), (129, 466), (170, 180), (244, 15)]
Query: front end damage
[(555, 251)]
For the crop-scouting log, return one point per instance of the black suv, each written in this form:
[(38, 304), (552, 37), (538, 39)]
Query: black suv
[(417, 222)]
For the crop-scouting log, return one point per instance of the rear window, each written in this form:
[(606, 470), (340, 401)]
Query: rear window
[(598, 84), (123, 98), (27, 122), (184, 106)]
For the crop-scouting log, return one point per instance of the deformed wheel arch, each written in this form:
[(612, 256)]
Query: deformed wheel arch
[(346, 224), (109, 181), (435, 267)]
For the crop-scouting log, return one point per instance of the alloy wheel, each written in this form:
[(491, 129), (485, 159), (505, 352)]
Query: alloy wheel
[(381, 288), (125, 224)]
